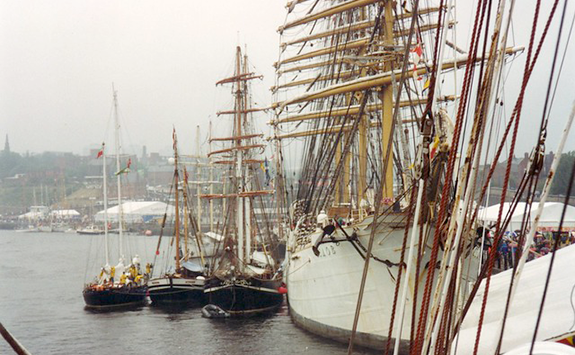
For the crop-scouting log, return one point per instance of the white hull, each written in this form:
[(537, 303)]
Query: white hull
[(323, 290)]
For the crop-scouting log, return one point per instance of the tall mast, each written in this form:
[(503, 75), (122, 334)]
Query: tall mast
[(118, 175), (186, 214), (247, 204), (211, 184), (199, 177), (177, 202), (239, 165), (105, 188)]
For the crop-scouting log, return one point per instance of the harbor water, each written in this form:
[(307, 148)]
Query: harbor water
[(41, 304)]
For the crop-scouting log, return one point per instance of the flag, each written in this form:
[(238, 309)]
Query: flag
[(123, 171), (425, 85), (174, 138), (434, 146), (417, 54), (267, 171), (100, 152)]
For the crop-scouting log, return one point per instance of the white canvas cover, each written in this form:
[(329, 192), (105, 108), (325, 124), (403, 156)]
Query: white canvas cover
[(558, 315)]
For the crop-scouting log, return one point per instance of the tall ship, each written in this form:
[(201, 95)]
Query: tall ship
[(380, 133), (117, 285), (183, 281), (245, 279)]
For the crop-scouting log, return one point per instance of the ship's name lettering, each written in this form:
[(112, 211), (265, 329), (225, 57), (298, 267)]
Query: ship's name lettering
[(327, 250)]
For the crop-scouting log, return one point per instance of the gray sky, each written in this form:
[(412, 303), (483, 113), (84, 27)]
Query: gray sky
[(59, 59)]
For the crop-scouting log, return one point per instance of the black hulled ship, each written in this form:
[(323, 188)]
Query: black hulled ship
[(245, 278), (182, 283), (116, 286)]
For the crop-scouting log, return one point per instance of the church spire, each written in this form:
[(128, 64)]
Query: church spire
[(7, 145)]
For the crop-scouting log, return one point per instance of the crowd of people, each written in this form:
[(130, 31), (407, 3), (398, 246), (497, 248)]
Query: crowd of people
[(507, 252)]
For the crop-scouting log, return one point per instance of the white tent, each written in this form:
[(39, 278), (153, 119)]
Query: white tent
[(550, 217), (134, 212), (65, 214)]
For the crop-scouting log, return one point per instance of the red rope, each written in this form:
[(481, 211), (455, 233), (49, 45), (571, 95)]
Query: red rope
[(446, 187)]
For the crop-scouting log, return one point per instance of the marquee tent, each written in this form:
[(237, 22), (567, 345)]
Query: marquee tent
[(549, 220), (134, 212)]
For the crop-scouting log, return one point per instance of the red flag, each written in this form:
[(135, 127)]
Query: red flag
[(100, 152)]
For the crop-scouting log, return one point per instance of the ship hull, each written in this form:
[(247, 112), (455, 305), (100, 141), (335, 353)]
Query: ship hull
[(176, 290), (109, 297), (323, 290), (244, 296)]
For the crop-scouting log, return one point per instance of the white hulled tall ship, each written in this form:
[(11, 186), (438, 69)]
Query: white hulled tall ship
[(378, 180)]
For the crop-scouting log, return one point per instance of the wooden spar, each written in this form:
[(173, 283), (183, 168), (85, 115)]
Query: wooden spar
[(249, 136), (356, 27), (240, 77), (240, 194), (233, 112), (246, 161), (332, 130), (369, 82), (236, 148), (334, 10), (13, 342), (328, 50), (387, 113), (340, 76), (353, 110)]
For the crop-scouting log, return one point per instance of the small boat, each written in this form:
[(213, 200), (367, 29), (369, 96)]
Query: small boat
[(213, 311), (184, 282), (90, 230), (115, 286)]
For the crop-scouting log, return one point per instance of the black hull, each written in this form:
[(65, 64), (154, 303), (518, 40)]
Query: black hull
[(176, 291), (110, 297), (244, 296)]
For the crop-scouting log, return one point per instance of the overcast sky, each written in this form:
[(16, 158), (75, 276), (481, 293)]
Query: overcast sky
[(59, 59)]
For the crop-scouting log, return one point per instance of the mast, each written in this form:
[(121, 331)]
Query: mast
[(247, 204), (105, 191), (198, 185), (177, 203), (118, 175), (239, 163), (211, 184)]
